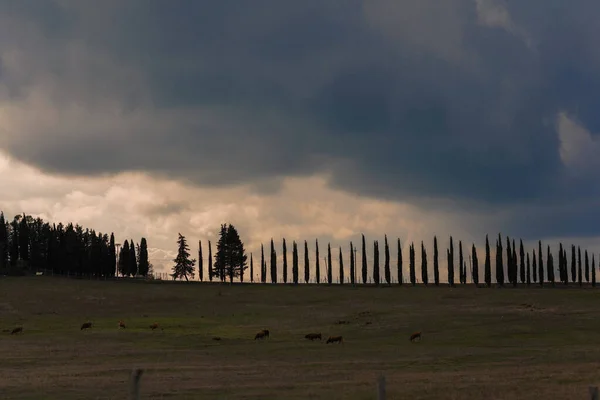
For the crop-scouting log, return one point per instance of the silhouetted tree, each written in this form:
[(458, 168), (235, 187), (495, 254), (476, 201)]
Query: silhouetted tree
[(144, 263), (376, 262), (341, 267), (514, 264), (540, 264), (3, 243), (475, 271), (386, 266), (200, 262), (528, 273), (509, 262), (295, 262), (211, 273), (251, 269), (488, 263), (399, 266), (499, 264), (522, 259), (329, 266), (184, 266), (231, 258), (436, 266), (587, 267), (352, 265), (285, 265), (364, 260), (451, 263), (411, 265), (534, 267), (112, 252), (573, 264), (273, 263), (461, 261), (306, 264), (424, 276), (550, 266), (579, 267), (561, 269), (124, 259), (317, 265), (593, 271), (263, 264)]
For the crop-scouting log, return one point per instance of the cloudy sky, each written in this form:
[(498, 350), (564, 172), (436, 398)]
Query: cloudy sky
[(303, 119)]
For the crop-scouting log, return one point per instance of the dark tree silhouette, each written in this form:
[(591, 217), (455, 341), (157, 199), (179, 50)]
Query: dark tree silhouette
[(184, 266), (528, 273), (514, 264), (579, 267), (386, 265), (573, 264), (540, 264), (3, 244), (317, 262), (306, 264), (593, 271), (364, 260), (124, 259), (295, 262), (550, 267), (461, 261), (411, 265), (352, 265), (534, 267), (273, 263), (488, 264), (231, 258), (399, 266), (285, 265), (376, 262), (587, 267), (561, 269), (200, 262), (211, 273), (329, 266), (143, 263), (499, 264), (475, 272), (451, 263), (436, 265), (251, 269), (263, 264), (522, 263), (341, 262), (424, 276)]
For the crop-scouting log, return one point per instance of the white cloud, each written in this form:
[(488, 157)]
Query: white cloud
[(579, 150)]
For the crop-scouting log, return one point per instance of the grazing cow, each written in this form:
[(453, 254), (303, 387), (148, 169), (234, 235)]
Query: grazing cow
[(86, 325), (313, 336), (217, 338), (121, 324), (18, 329), (154, 326), (333, 339), (414, 336), (262, 334)]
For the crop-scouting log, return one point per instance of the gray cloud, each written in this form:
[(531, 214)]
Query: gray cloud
[(396, 100)]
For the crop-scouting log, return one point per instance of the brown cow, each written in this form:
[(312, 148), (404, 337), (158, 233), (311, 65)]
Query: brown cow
[(154, 326), (313, 336), (262, 334), (18, 329), (121, 324), (86, 325), (333, 339), (414, 336)]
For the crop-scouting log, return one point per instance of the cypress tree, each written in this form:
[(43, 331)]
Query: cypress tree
[(144, 263), (593, 271), (210, 261), (364, 260), (352, 265), (463, 274), (341, 267), (273, 263), (514, 262), (306, 264), (329, 273), (540, 264), (112, 260), (386, 268), (263, 271), (522, 257), (424, 275), (285, 265), (509, 261), (587, 267), (201, 262), (580, 277), (317, 262), (499, 263), (561, 270), (3, 243), (400, 274), (573, 264), (534, 267), (488, 263), (550, 266), (411, 265), (295, 262), (376, 262), (451, 263), (436, 267), (475, 272), (251, 269), (528, 276)]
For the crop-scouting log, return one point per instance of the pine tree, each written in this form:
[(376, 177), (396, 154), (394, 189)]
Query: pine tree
[(463, 275), (436, 266), (295, 263), (211, 272), (488, 263), (364, 260), (112, 254), (183, 267), (540, 264), (124, 259), (399, 266), (376, 262), (352, 265), (306, 264), (251, 269), (386, 266), (573, 264), (411, 265), (450, 255), (329, 266), (587, 267), (24, 240), (341, 268), (522, 264), (593, 271), (3, 244), (424, 275), (144, 263), (317, 262), (580, 270), (285, 266), (231, 258), (273, 263), (13, 249), (200, 261), (475, 272), (528, 277)]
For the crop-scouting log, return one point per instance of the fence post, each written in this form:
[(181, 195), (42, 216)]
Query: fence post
[(594, 392), (136, 374), (381, 388)]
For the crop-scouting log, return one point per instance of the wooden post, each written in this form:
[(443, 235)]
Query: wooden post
[(381, 388), (594, 392), (136, 374)]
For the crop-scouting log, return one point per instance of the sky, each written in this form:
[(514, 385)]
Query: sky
[(306, 120)]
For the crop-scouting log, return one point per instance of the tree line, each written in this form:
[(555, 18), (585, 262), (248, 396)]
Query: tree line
[(30, 244), (535, 267)]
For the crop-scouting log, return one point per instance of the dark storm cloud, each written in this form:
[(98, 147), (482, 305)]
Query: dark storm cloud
[(398, 99)]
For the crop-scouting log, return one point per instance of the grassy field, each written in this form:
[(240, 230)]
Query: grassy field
[(477, 343)]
